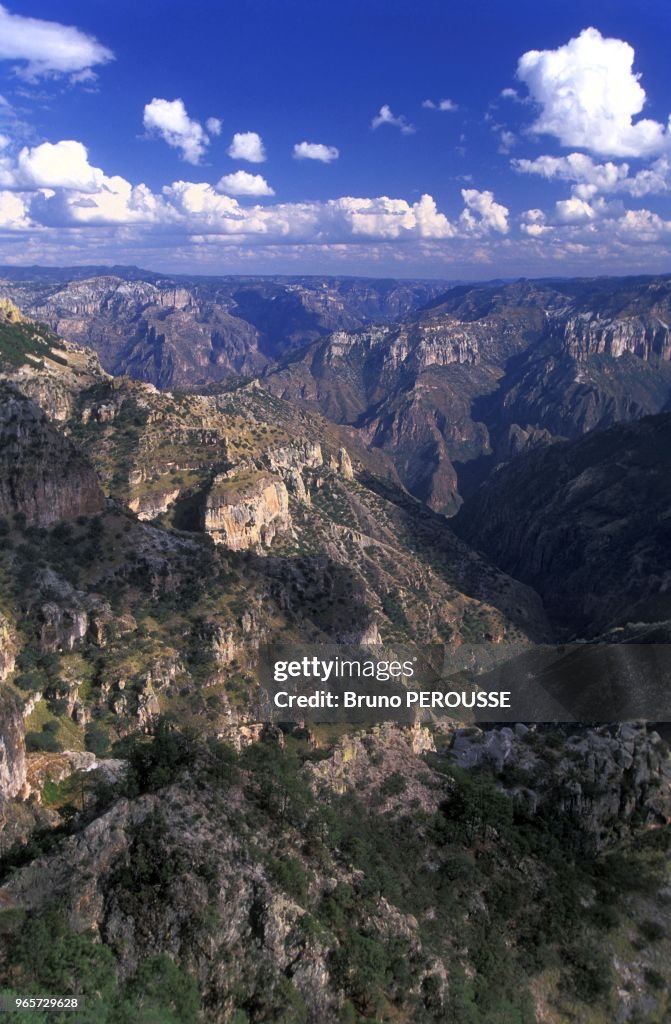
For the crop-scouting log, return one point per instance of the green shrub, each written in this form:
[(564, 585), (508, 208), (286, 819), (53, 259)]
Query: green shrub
[(589, 973), (290, 874), (160, 986), (155, 763), (96, 739), (30, 681), (43, 741), (654, 979), (651, 930), (393, 785)]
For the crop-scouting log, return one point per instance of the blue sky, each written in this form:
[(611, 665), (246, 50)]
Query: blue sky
[(462, 140)]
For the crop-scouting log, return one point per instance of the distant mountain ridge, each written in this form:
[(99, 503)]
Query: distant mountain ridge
[(181, 330), (449, 383)]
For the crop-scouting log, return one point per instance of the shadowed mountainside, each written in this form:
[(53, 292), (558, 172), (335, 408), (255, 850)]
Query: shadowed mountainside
[(587, 523)]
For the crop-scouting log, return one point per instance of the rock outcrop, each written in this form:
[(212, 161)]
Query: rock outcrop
[(9, 646), (246, 511), (605, 777), (12, 745), (151, 504), (644, 335), (65, 615), (9, 312)]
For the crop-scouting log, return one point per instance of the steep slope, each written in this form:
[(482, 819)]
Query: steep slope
[(264, 528), (587, 523), (448, 385), (182, 330)]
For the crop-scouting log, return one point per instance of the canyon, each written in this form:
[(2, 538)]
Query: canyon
[(186, 857)]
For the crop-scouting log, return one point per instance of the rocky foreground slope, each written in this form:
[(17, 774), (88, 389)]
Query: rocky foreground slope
[(172, 858)]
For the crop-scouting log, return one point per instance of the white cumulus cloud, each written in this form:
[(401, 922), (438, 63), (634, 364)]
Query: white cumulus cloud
[(53, 186), (117, 204), (315, 151), (47, 48), (386, 218), (242, 183), (213, 125), (642, 226), (589, 96), (493, 216), (247, 146), (574, 211), (13, 212), (590, 178), (52, 165), (385, 116), (533, 223), (169, 120), (58, 165)]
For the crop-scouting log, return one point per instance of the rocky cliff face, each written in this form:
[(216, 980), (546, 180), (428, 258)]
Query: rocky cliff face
[(316, 506), (12, 741), (480, 373), (42, 366), (646, 337), (9, 646), (12, 745), (246, 512), (42, 475)]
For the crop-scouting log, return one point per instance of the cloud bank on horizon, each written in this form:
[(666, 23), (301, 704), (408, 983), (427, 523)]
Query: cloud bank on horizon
[(603, 182)]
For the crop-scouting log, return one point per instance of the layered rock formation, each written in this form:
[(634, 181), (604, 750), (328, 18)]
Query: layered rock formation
[(479, 374)]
